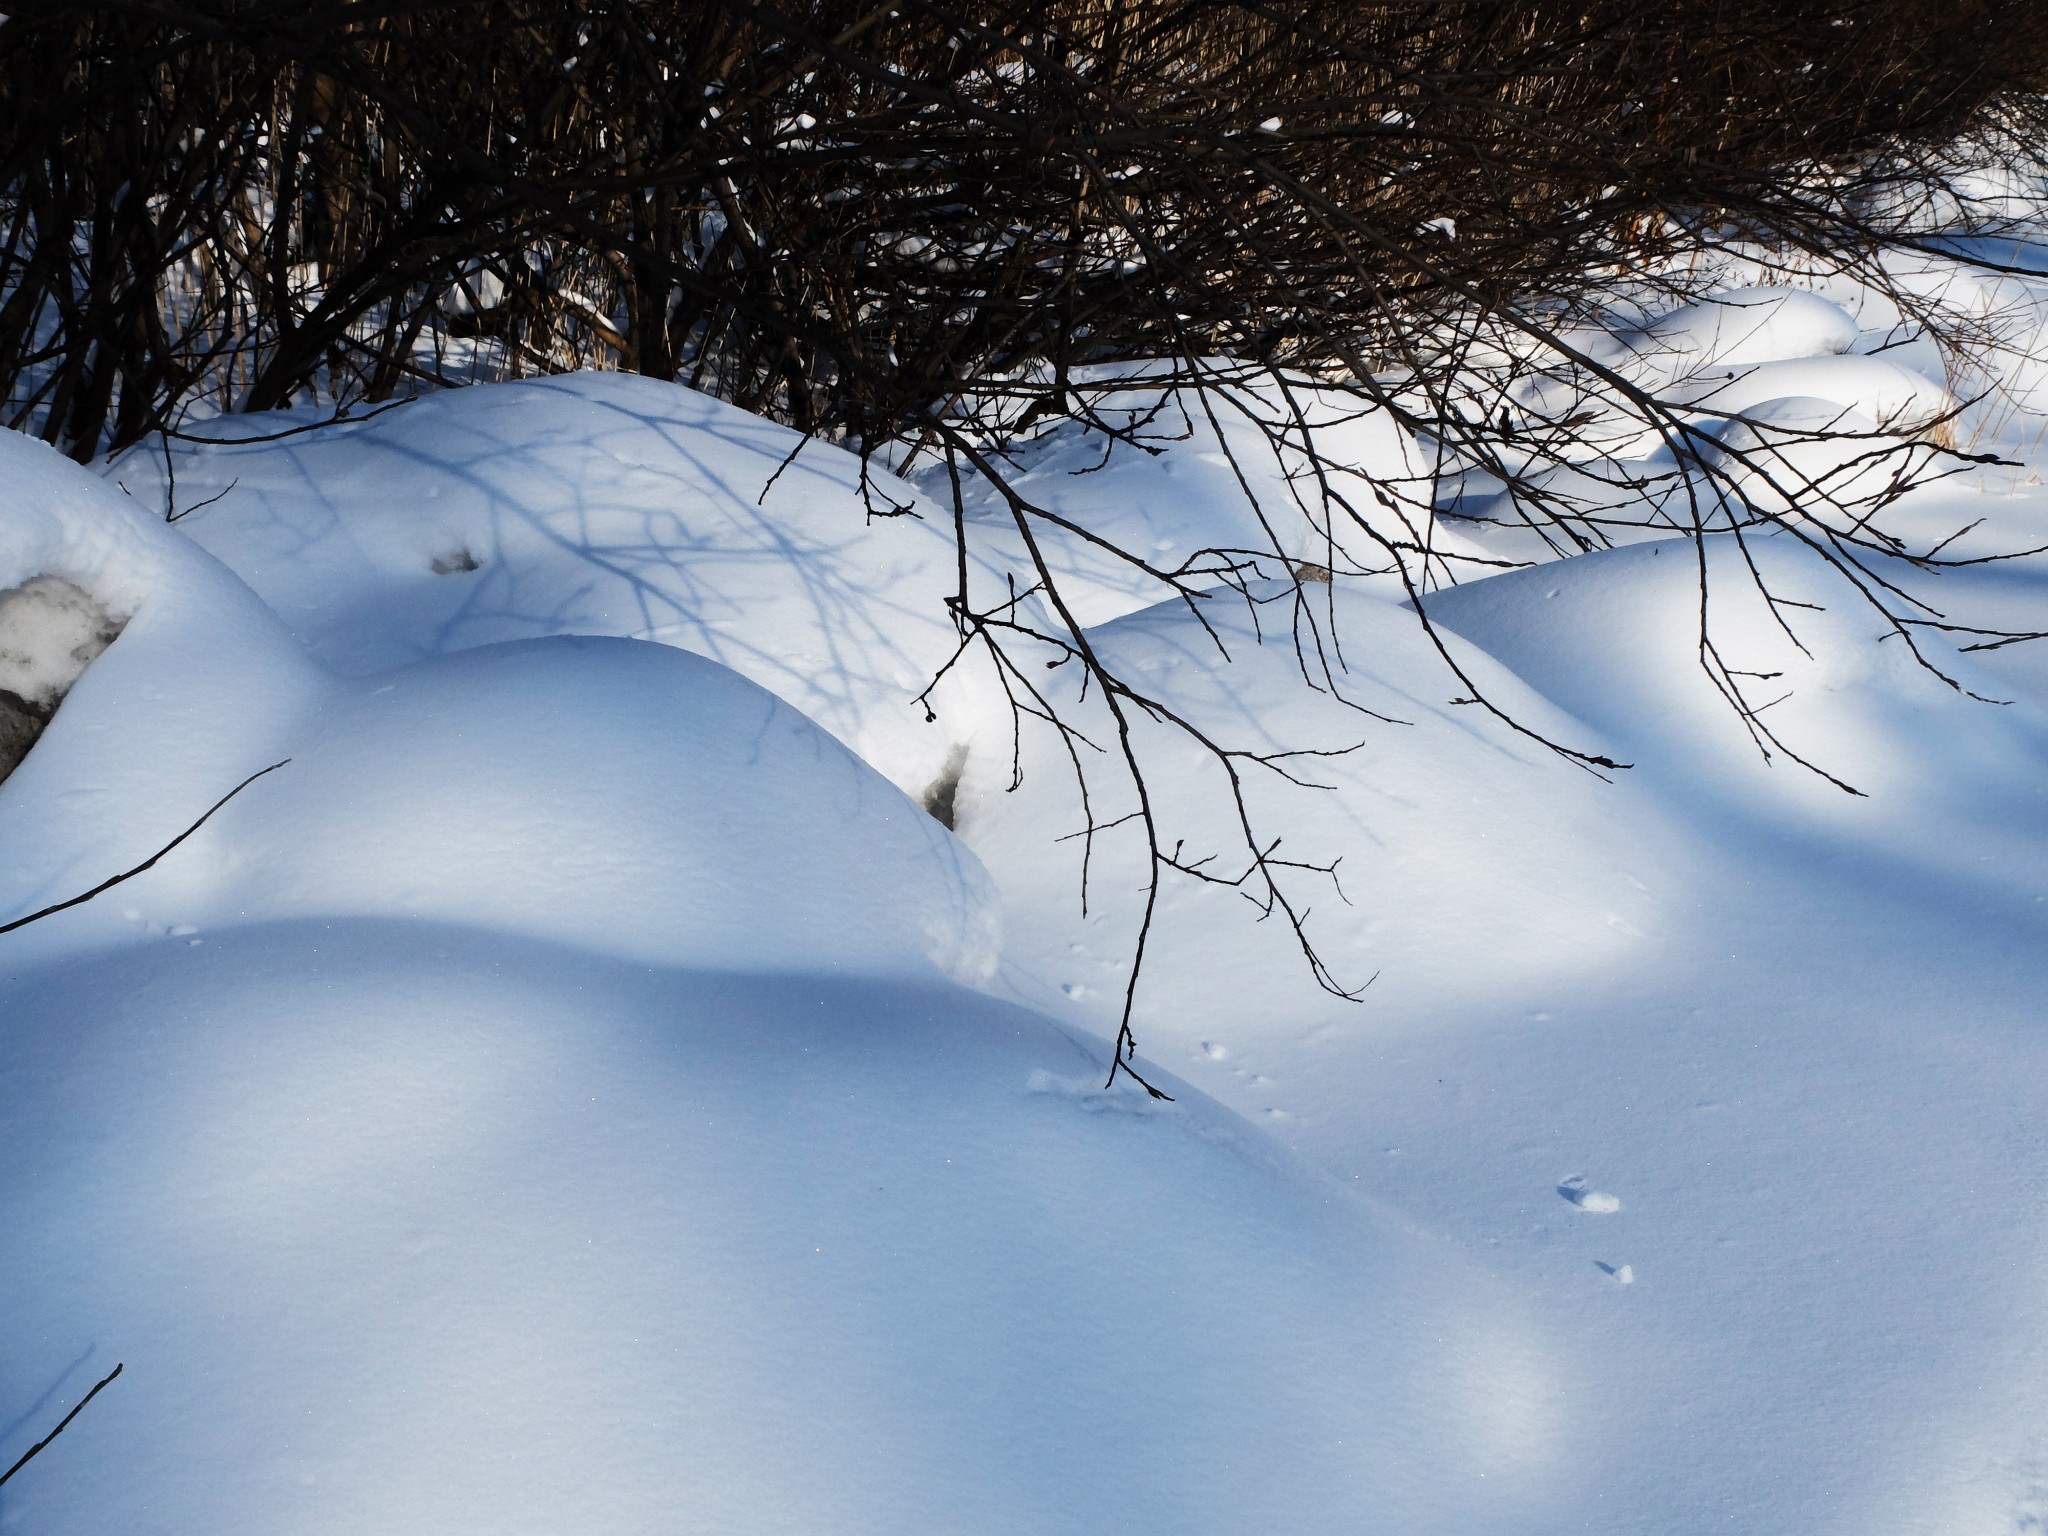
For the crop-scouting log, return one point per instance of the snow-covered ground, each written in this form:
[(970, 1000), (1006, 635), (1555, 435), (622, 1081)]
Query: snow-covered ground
[(582, 1089)]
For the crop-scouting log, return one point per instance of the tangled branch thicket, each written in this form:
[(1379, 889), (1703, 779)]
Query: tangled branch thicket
[(927, 230)]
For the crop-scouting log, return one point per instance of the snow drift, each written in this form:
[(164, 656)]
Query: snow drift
[(411, 1228), (535, 1103), (542, 1104)]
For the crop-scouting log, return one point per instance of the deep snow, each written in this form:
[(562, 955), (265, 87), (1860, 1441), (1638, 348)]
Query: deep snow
[(577, 1091)]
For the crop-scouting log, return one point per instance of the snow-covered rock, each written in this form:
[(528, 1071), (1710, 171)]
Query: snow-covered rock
[(50, 632), (202, 688), (600, 504), (627, 798), (1445, 826)]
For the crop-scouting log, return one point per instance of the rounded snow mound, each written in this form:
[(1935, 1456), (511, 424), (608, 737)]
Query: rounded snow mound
[(593, 504), (610, 794), (1745, 325), (1417, 824), (1942, 771), (618, 796), (1805, 453), (1895, 398), (126, 740)]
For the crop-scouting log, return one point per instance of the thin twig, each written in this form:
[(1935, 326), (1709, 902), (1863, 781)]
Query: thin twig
[(30, 1454), (148, 863)]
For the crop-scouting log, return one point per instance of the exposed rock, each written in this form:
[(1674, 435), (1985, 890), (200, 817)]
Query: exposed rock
[(50, 632)]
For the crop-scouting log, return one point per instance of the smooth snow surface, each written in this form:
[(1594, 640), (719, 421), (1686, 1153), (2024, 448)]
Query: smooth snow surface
[(418, 1228), (581, 1090), (625, 798)]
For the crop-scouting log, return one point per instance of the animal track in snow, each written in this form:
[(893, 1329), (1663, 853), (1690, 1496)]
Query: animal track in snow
[(1596, 1201)]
